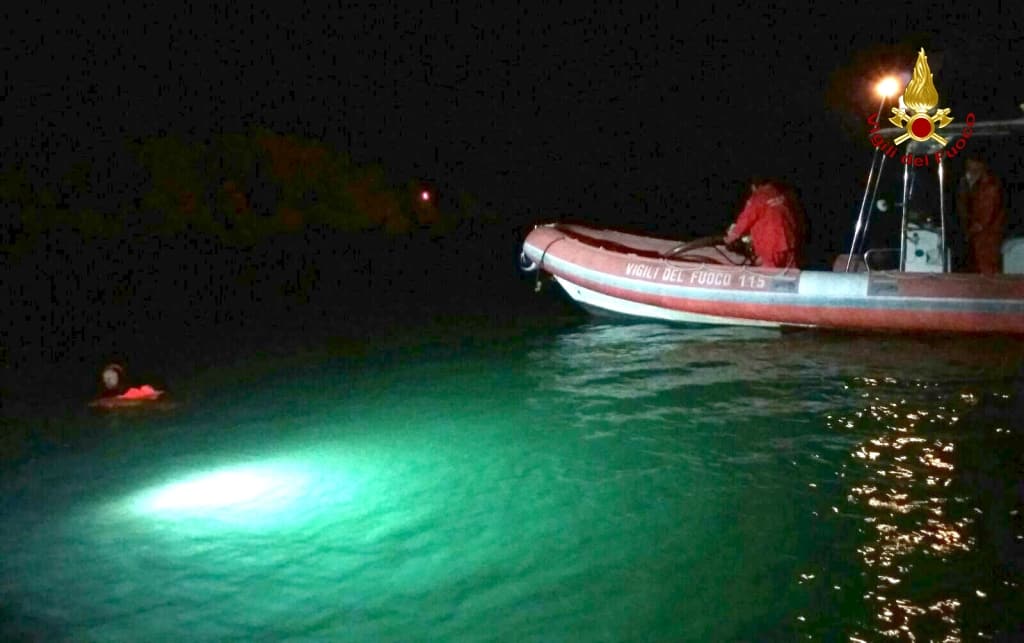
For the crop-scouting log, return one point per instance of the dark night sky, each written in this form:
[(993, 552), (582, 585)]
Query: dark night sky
[(642, 116)]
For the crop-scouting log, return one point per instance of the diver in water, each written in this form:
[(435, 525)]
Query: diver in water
[(116, 392), (113, 380)]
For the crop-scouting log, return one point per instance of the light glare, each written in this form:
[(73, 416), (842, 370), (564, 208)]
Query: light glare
[(887, 87), (244, 488)]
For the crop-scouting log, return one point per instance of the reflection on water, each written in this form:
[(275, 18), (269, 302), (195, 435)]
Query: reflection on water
[(906, 483), (725, 353), (902, 485), (907, 408)]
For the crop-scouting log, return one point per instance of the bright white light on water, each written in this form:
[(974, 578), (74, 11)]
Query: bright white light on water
[(215, 490), (249, 489)]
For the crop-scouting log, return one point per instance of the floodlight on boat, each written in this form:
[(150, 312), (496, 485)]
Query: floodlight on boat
[(887, 87), (425, 196)]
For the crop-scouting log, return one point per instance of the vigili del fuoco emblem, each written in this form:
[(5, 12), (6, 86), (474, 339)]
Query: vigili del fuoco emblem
[(920, 97)]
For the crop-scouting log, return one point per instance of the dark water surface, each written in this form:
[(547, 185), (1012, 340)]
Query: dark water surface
[(545, 481)]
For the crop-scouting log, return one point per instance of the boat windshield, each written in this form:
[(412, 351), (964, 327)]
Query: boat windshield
[(908, 218)]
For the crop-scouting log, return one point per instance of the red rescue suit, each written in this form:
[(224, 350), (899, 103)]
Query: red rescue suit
[(775, 225), (985, 219)]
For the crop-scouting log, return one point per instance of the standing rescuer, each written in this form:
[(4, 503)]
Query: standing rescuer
[(774, 221), (982, 216)]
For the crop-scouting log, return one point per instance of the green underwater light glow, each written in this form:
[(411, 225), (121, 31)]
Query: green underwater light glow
[(280, 491)]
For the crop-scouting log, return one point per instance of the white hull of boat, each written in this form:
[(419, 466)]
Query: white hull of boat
[(599, 302)]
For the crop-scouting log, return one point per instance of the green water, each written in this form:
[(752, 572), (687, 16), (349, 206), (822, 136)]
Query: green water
[(553, 482)]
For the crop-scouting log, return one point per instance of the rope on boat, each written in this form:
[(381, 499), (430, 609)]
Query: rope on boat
[(704, 260), (540, 264), (523, 259)]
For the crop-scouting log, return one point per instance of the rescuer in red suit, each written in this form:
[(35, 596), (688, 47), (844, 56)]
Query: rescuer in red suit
[(983, 217), (774, 220)]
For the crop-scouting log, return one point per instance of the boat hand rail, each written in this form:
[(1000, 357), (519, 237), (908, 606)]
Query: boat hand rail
[(911, 275), (873, 251)]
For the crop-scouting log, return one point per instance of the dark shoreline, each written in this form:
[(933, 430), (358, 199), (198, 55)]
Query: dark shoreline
[(174, 304)]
